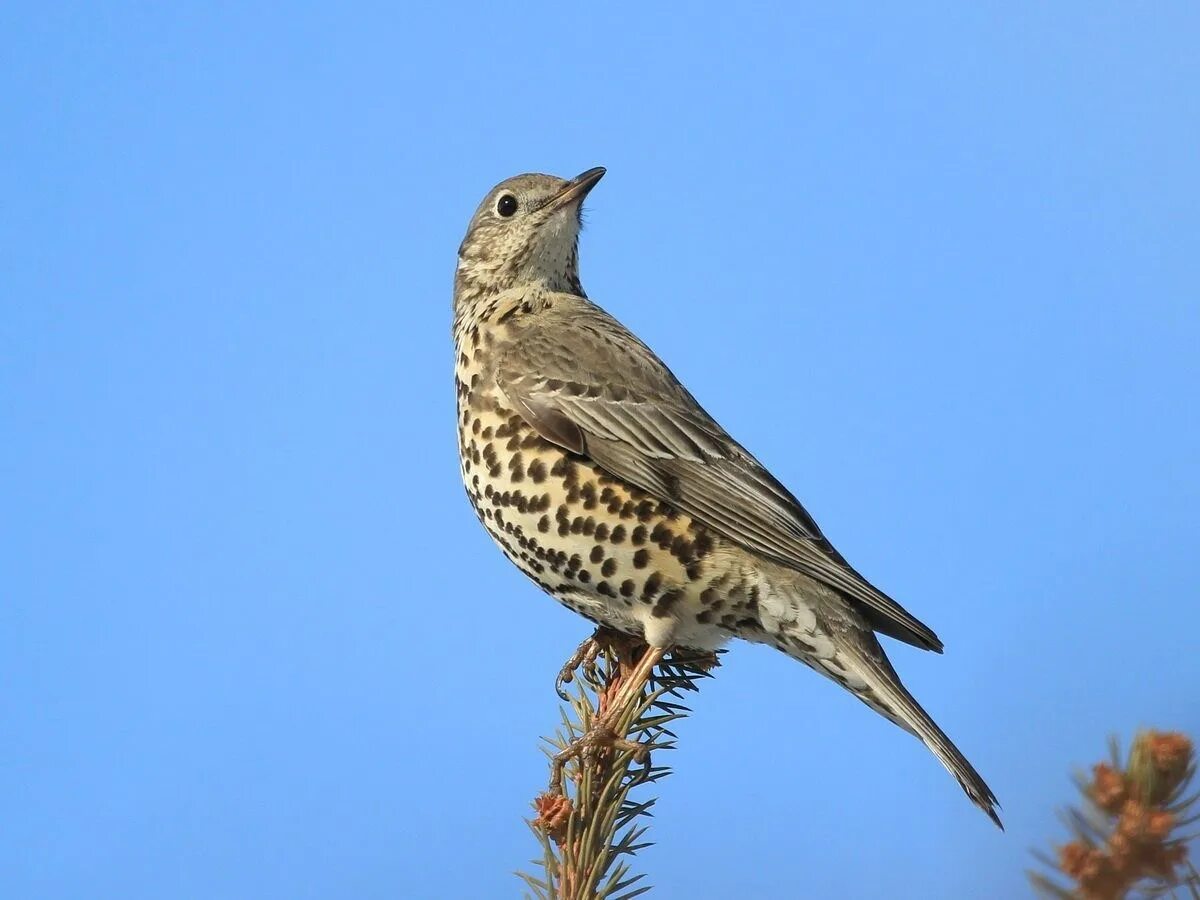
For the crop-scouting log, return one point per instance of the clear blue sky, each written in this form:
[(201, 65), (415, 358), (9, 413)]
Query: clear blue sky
[(939, 268)]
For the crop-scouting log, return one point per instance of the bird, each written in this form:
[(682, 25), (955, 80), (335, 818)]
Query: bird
[(605, 482)]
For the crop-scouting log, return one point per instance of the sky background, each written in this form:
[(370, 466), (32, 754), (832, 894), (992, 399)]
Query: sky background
[(938, 267)]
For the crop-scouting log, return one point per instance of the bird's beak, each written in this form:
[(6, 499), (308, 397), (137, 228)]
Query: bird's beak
[(576, 189)]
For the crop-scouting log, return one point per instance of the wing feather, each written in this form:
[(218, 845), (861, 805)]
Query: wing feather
[(639, 423)]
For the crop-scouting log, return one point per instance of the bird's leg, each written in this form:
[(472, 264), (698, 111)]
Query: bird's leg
[(631, 684), (603, 733), (585, 655)]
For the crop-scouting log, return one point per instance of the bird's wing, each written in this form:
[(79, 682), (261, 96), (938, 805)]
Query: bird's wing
[(587, 384)]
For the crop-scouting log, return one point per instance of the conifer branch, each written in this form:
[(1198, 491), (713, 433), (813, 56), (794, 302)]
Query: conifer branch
[(590, 829), (1128, 836)]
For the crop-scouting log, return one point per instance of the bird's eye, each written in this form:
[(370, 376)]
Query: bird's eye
[(506, 205)]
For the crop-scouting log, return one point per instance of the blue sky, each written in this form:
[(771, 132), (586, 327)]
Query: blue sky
[(937, 267)]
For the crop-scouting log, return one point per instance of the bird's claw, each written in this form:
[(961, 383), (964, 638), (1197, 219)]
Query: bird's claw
[(585, 657)]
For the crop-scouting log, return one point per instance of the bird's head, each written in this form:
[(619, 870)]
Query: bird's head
[(526, 231)]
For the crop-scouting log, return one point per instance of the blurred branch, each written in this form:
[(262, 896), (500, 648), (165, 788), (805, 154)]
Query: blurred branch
[(589, 826), (1127, 839)]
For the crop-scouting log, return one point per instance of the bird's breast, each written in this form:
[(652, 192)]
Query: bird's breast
[(604, 548)]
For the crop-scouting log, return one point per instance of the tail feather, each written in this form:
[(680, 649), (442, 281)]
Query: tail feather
[(887, 695)]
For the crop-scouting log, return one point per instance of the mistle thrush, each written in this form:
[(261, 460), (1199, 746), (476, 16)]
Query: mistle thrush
[(605, 482)]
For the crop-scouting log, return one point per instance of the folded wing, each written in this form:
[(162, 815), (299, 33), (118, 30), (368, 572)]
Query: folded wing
[(645, 428)]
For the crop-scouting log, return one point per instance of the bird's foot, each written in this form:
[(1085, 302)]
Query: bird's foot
[(602, 736), (585, 657), (619, 703)]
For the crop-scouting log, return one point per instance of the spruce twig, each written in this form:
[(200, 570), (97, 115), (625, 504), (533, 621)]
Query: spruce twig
[(589, 832), (1127, 839)]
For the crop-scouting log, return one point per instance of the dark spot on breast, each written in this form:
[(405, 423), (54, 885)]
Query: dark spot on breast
[(597, 554), (641, 558), (664, 603), (695, 571), (605, 588), (618, 534), (681, 549), (627, 587), (645, 511), (543, 524), (536, 471), (571, 476), (584, 575), (662, 536), (609, 568), (602, 532), (638, 537), (666, 509), (652, 585)]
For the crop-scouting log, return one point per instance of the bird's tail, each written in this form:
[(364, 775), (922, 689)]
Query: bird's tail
[(887, 695)]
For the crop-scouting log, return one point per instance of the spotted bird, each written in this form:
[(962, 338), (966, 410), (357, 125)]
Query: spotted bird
[(605, 482)]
